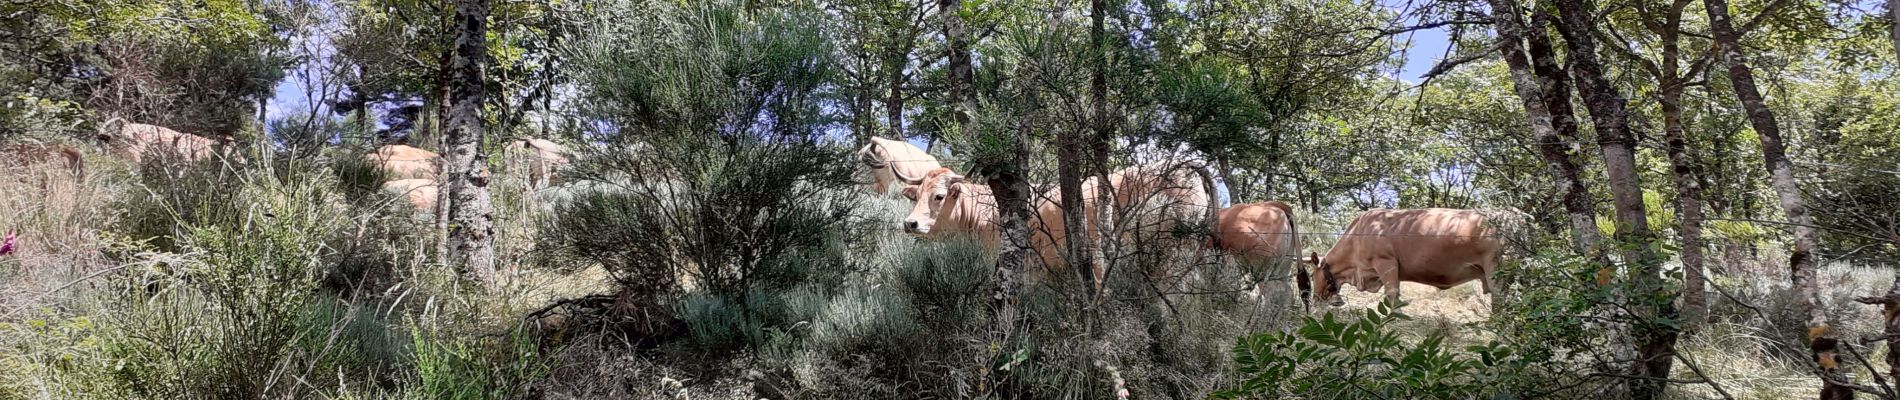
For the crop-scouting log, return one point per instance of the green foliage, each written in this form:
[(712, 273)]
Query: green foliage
[(142, 59), (231, 307), (1329, 358), (457, 367)]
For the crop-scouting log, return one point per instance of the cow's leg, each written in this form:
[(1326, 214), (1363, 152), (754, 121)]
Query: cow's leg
[(1484, 288), (1487, 267), (1388, 270)]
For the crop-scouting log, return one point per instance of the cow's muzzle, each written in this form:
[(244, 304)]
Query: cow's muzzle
[(911, 227)]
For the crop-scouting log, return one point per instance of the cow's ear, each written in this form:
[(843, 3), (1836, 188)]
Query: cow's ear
[(1314, 258), (910, 192)]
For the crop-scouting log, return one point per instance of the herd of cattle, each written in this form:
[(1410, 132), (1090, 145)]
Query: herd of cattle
[(411, 172), (1377, 251)]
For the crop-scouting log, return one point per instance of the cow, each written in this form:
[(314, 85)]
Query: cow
[(541, 158), (1434, 246), (401, 161), (895, 164), (138, 142), (947, 204), (1260, 236), (420, 192)]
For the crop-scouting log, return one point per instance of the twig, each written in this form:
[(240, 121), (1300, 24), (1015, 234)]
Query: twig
[(1705, 377)]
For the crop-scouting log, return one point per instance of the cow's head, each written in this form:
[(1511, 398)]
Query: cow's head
[(933, 197), (1323, 284)]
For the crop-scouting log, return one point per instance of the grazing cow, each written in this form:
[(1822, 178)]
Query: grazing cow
[(404, 162), (140, 141), (542, 158), (420, 192), (1257, 234), (948, 205), (895, 164), (1433, 246)]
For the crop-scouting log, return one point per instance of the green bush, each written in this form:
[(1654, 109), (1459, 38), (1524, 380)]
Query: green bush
[(1329, 358), (457, 367)]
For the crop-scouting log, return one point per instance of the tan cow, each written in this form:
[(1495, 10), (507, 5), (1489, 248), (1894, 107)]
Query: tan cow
[(895, 164), (1257, 233), (421, 193), (948, 205), (1434, 246), (541, 159), (1263, 237), (138, 142), (405, 162)]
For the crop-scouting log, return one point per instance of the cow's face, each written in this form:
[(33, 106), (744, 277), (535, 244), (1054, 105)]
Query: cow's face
[(932, 196), (1326, 282)]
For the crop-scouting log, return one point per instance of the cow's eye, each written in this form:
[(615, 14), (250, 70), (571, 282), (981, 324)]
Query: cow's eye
[(939, 197)]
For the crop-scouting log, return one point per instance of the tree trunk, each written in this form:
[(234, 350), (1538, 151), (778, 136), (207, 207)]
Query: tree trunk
[(1608, 111), (1689, 202), (1890, 312), (1893, 12), (1689, 210), (1104, 128), (1532, 92), (471, 233), (894, 104), (1780, 171), (1555, 86)]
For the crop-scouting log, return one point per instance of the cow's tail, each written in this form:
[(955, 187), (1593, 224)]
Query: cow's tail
[(1210, 218), (1301, 279)]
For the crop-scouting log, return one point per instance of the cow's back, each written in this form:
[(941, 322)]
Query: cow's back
[(1434, 246), (896, 163), (139, 142), (1257, 233), (405, 162)]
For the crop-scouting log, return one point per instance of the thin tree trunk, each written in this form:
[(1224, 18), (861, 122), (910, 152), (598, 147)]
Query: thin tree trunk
[(1531, 92), (1780, 171), (1655, 345), (894, 104), (1689, 210), (1671, 83), (1890, 312), (1555, 92), (471, 234), (1098, 147), (1893, 12)]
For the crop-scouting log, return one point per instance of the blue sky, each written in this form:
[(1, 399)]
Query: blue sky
[(1427, 47)]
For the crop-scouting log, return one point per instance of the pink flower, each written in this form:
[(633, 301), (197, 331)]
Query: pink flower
[(6, 246)]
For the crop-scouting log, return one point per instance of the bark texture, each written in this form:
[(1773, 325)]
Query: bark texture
[(1532, 92), (471, 227), (1103, 125), (1655, 343), (1781, 173)]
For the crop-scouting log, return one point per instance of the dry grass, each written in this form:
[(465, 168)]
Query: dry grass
[(57, 218)]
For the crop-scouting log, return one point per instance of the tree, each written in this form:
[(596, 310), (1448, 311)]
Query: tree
[(1543, 98), (1656, 338), (1781, 176), (470, 242), (1672, 80)]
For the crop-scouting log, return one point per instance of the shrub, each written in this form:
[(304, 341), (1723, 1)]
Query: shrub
[(457, 367), (1329, 358)]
